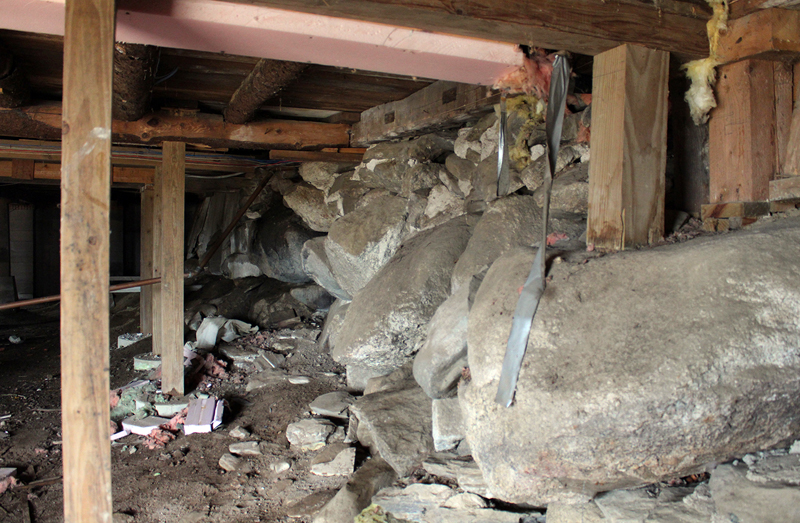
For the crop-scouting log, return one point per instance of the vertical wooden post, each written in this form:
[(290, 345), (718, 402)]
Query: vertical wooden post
[(5, 239), (628, 148), (155, 291), (783, 112), (85, 202), (742, 141), (173, 184), (146, 260)]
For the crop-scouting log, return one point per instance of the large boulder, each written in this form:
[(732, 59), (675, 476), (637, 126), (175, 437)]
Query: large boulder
[(278, 245), (316, 265), (385, 324), (360, 243), (641, 366), (509, 222), (322, 174), (309, 203), (391, 165)]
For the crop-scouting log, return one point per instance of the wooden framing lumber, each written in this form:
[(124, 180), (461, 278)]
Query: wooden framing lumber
[(14, 89), (629, 146), (791, 161), (734, 210), (581, 26), (783, 82), (22, 169), (769, 34), (134, 73), (52, 171), (316, 156), (158, 262), (85, 203), (438, 106), (43, 122), (785, 189), (268, 78), (742, 133), (172, 205), (146, 249)]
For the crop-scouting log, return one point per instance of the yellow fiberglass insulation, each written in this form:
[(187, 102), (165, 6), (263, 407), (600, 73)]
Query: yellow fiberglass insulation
[(702, 73), (530, 110)]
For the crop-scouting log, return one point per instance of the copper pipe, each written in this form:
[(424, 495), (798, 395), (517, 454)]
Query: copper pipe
[(48, 299), (217, 244)]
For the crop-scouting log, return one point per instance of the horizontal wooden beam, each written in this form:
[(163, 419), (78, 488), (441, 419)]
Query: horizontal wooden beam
[(734, 210), (316, 156), (52, 171), (134, 73), (581, 26), (785, 189), (769, 34), (438, 106), (267, 79), (43, 122), (740, 8)]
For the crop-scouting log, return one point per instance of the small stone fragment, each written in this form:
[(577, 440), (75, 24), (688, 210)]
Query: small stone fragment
[(229, 462), (240, 433), (299, 380), (341, 465), (332, 404), (309, 434), (245, 448), (280, 466)]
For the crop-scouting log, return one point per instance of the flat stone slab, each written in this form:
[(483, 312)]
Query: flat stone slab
[(332, 405), (245, 448), (309, 434), (341, 464)]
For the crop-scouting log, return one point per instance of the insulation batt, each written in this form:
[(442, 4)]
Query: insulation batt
[(532, 78), (702, 73)]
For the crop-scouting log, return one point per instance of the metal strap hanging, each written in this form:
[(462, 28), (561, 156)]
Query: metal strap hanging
[(533, 288), (503, 174)]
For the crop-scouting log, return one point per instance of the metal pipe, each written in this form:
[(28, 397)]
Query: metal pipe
[(48, 299), (217, 244)]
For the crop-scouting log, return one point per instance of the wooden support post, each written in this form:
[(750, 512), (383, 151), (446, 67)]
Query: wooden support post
[(146, 260), (782, 80), (158, 262), (85, 202), (742, 141), (629, 147), (172, 204)]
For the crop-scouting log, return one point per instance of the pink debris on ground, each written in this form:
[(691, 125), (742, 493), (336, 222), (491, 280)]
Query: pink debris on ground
[(554, 237), (584, 134), (215, 368), (7, 483), (113, 398), (166, 432)]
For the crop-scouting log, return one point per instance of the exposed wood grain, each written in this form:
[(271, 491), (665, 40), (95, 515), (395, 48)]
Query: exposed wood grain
[(127, 175), (734, 210), (316, 156), (146, 260), (581, 26), (43, 122), (158, 262), (742, 140), (782, 79), (267, 79), (769, 34), (134, 74), (628, 148), (438, 106), (785, 189), (85, 202), (791, 163), (22, 169), (172, 205), (14, 88)]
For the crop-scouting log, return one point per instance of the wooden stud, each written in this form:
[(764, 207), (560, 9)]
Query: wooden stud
[(782, 79), (628, 148), (768, 34), (22, 169), (172, 205), (438, 106), (146, 260), (85, 203), (158, 262), (742, 133)]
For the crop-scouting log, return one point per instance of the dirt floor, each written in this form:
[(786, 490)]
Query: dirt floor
[(182, 482)]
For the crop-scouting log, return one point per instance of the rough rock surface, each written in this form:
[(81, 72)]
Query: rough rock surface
[(440, 360), (317, 266), (640, 366), (278, 245), (309, 203), (509, 222), (385, 323), (360, 243), (322, 174), (447, 424), (397, 427), (373, 476), (390, 165)]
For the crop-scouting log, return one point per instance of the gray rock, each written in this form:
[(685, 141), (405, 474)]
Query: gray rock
[(317, 266), (314, 297), (391, 165), (309, 203), (420, 177), (245, 448), (385, 323), (570, 190), (309, 434), (229, 462), (333, 323), (373, 476), (275, 308), (776, 469), (447, 424), (397, 425), (651, 505), (400, 379), (338, 463), (360, 243), (465, 501), (346, 192), (440, 360), (442, 206), (463, 173), (278, 244), (467, 147), (332, 405), (624, 386), (279, 466), (239, 265), (322, 174), (509, 222), (239, 433), (464, 472), (739, 498), (566, 513), (532, 176), (238, 355), (432, 503)]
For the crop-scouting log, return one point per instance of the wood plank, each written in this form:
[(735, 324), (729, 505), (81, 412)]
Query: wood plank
[(85, 203), (172, 205), (14, 88), (134, 74), (267, 79), (742, 133), (158, 262), (316, 156), (629, 145), (22, 169), (439, 106), (791, 162), (782, 78), (734, 210), (581, 26), (43, 122), (785, 189), (146, 249), (769, 34)]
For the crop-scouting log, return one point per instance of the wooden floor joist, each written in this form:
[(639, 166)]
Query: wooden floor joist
[(85, 203), (172, 205), (43, 122), (629, 148), (267, 79)]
